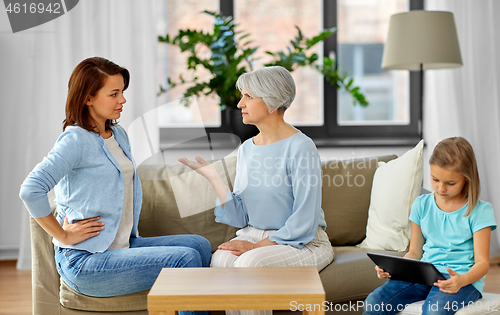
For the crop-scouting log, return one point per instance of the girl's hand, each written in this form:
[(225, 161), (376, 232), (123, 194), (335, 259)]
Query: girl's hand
[(381, 274), (201, 167), (81, 230), (237, 247), (452, 285)]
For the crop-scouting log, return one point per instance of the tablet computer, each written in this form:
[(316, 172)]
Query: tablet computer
[(405, 269)]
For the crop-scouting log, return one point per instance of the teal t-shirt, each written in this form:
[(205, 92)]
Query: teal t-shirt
[(448, 235)]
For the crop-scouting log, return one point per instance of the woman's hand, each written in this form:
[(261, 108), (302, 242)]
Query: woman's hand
[(381, 274), (81, 230), (237, 247), (452, 285), (208, 171), (201, 167)]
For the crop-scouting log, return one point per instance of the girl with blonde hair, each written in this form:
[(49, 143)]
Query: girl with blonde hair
[(451, 229)]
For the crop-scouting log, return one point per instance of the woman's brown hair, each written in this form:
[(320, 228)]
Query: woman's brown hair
[(88, 77), (456, 154)]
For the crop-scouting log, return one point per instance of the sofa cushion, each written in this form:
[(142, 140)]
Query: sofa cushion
[(351, 276), (128, 302), (346, 197), (396, 184), (177, 200)]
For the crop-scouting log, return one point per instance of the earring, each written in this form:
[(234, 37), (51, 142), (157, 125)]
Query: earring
[(271, 111)]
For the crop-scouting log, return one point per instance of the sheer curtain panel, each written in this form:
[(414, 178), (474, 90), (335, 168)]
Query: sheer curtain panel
[(36, 65), (466, 102)]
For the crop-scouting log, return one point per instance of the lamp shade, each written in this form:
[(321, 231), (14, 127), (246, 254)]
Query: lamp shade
[(422, 38)]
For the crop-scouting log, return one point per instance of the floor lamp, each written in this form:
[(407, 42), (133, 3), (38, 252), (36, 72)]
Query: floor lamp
[(421, 40)]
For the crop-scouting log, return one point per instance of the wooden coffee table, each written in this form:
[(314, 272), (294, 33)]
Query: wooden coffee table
[(211, 289)]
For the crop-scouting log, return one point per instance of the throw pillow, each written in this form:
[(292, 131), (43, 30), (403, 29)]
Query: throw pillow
[(396, 184)]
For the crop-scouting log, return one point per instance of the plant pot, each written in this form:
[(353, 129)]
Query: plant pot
[(243, 131)]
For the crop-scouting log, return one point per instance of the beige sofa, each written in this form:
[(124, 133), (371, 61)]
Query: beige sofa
[(346, 198)]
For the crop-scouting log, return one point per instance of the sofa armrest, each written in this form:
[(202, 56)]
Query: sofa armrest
[(45, 279)]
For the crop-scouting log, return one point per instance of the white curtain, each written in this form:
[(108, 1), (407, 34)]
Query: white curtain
[(35, 68), (466, 102)]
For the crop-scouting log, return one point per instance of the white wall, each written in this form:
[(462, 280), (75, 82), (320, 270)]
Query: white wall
[(18, 105), (35, 66)]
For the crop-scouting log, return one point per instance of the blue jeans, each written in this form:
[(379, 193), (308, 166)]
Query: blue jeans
[(134, 269), (393, 296)]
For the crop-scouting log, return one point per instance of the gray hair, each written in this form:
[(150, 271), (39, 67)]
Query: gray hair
[(274, 84)]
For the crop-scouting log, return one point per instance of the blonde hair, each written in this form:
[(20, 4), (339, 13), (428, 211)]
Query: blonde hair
[(274, 84), (456, 154)]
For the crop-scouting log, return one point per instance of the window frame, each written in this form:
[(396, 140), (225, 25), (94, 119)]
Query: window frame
[(331, 134)]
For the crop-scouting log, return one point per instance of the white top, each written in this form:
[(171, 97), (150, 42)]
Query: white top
[(122, 239)]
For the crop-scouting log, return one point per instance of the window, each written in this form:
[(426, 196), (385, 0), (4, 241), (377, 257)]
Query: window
[(325, 114), (394, 113), (257, 18), (172, 16)]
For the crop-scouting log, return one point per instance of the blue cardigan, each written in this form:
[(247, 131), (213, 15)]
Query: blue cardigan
[(88, 182)]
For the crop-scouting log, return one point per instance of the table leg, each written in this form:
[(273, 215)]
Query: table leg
[(322, 312)]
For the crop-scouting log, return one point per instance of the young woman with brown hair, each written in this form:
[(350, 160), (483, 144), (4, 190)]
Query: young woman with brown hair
[(99, 195)]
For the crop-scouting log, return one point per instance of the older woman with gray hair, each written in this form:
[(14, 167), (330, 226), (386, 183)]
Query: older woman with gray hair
[(276, 200)]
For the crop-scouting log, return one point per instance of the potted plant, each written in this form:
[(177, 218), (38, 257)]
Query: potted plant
[(231, 56)]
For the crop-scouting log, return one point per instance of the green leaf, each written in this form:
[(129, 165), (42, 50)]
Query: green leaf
[(249, 42), (350, 83), (244, 36), (320, 37)]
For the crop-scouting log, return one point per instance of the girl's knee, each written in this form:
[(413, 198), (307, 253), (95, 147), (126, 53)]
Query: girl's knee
[(375, 305), (369, 304)]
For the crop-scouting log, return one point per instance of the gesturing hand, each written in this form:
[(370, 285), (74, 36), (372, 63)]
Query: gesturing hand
[(81, 230), (237, 247), (201, 167), (452, 285)]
